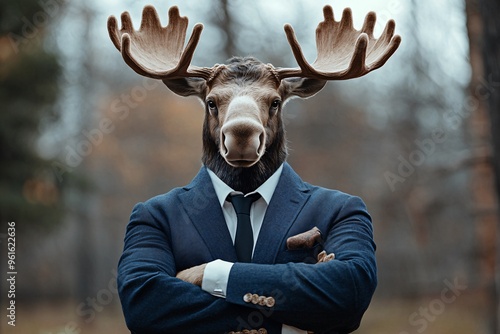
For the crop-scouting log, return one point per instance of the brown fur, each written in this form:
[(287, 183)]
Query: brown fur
[(246, 76)]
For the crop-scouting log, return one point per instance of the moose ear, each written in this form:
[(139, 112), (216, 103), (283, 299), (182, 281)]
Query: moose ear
[(301, 87), (187, 86)]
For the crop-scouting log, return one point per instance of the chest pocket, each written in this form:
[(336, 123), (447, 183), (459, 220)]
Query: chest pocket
[(304, 255)]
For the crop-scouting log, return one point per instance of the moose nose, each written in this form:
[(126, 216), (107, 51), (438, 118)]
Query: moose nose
[(242, 142)]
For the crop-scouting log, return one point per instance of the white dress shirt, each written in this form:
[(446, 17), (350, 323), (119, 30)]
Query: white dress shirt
[(216, 274)]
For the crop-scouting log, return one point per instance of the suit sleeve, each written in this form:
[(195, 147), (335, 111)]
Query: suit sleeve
[(326, 297), (153, 299)]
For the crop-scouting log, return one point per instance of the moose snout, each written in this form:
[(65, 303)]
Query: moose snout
[(242, 142)]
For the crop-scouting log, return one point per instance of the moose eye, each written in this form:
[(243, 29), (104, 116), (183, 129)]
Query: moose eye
[(212, 107), (275, 106)]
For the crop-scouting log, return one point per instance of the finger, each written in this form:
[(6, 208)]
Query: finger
[(329, 257), (325, 258), (321, 256)]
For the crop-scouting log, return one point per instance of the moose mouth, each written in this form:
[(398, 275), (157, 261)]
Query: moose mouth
[(238, 159), (242, 163)]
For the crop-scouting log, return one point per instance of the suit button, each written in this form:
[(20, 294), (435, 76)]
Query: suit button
[(255, 298), (262, 301), (247, 298), (270, 301)]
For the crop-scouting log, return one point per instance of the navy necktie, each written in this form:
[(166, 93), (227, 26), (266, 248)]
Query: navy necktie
[(243, 242)]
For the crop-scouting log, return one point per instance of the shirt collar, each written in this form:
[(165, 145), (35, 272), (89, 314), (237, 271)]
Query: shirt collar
[(266, 190)]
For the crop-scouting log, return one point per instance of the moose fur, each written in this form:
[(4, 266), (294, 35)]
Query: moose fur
[(245, 71), (246, 76)]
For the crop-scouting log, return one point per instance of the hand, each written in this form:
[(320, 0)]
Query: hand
[(323, 257), (193, 275)]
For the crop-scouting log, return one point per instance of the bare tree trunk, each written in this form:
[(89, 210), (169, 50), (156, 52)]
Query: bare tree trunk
[(483, 29), (83, 208), (226, 25), (490, 12)]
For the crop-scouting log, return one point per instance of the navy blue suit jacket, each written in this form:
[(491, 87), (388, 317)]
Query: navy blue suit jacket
[(186, 227)]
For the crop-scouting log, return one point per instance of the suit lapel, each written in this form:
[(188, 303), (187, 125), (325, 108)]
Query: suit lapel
[(288, 199), (201, 205)]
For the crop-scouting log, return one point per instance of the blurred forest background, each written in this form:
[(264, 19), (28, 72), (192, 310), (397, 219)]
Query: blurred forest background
[(83, 138)]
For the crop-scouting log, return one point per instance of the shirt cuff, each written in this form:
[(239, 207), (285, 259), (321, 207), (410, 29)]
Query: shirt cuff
[(215, 277), (291, 330)]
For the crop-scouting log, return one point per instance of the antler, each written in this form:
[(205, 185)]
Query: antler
[(343, 52), (155, 51)]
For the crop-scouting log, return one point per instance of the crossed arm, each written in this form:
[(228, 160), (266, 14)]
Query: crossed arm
[(324, 297), (194, 275)]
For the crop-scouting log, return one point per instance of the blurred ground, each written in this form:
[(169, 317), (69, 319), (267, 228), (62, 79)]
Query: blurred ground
[(464, 316), (62, 318)]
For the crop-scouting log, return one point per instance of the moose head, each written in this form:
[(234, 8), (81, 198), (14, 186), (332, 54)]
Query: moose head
[(243, 134)]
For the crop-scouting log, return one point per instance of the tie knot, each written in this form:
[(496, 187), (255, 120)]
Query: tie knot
[(241, 203)]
